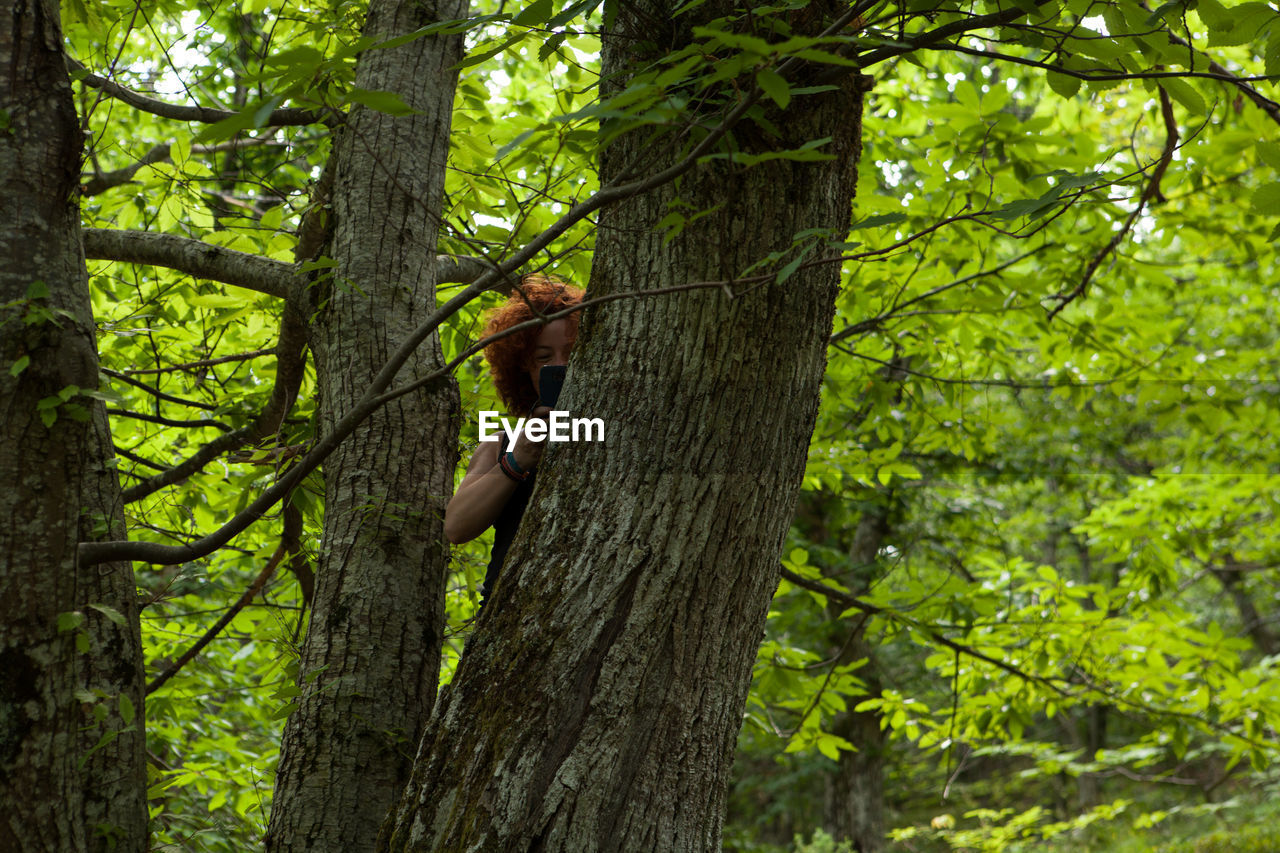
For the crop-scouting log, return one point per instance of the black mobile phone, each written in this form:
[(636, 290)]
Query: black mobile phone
[(550, 381)]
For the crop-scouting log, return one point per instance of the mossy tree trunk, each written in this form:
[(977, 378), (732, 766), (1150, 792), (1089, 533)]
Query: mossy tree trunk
[(72, 776), (599, 702)]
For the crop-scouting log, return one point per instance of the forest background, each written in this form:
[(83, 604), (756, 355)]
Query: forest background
[(1029, 593)]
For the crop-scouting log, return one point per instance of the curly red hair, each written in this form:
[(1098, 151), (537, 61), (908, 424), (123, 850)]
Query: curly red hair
[(509, 358)]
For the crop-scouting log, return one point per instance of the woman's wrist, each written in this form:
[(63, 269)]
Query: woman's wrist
[(512, 467)]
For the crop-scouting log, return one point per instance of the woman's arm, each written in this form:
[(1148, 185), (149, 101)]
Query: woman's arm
[(485, 489)]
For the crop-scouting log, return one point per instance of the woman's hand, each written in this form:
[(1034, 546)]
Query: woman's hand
[(528, 452)]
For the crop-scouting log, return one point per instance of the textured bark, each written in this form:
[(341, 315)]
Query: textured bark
[(371, 659), (599, 702), (57, 701), (253, 272)]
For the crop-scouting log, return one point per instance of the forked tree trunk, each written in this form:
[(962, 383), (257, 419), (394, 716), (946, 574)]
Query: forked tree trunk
[(371, 659), (72, 776), (598, 705)]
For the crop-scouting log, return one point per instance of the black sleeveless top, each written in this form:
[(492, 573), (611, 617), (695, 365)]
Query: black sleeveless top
[(504, 529)]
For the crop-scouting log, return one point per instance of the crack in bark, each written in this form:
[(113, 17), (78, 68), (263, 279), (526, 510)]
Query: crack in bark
[(584, 688)]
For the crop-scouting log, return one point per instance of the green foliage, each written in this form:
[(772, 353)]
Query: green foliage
[(1078, 487)]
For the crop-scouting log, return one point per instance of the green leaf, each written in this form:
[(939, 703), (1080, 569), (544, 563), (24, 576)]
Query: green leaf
[(804, 154), (880, 220), (126, 709), (19, 365), (789, 270), (775, 86), (1266, 199), (586, 7), (1064, 84), (272, 218), (534, 14), (514, 144), (384, 102), (1214, 14), (37, 290), (1272, 54), (214, 300), (1240, 24), (1269, 153), (550, 46), (70, 621), (111, 613), (1183, 92)]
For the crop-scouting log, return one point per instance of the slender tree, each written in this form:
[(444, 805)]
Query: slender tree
[(372, 655)]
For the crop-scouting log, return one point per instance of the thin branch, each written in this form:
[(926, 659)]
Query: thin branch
[(224, 443), (136, 459), (873, 322), (156, 419), (847, 600), (162, 153), (209, 362), (1115, 698), (1221, 75), (910, 44), (1151, 191), (181, 112), (460, 269), (195, 648), (159, 395), (290, 363), (1268, 106)]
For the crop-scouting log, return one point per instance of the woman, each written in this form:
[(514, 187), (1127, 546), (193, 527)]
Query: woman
[(499, 479)]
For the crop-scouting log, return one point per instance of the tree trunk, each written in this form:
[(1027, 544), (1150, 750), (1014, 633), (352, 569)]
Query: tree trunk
[(599, 702), (854, 804), (1231, 575), (371, 659), (72, 776)]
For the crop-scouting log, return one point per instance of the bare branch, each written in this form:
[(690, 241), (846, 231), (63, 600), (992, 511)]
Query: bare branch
[(224, 443), (158, 394), (181, 112), (155, 419), (208, 362), (246, 597), (163, 153), (290, 363), (239, 269), (193, 257), (460, 269), (1151, 191)]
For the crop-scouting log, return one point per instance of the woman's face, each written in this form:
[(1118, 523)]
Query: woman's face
[(552, 346)]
